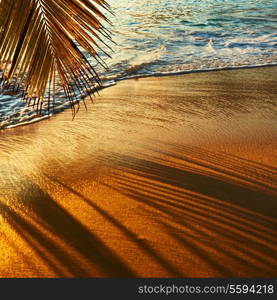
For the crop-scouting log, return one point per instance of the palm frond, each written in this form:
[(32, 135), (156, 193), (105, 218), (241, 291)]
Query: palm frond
[(43, 42)]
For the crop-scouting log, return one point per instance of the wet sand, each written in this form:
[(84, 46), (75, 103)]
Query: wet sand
[(161, 177)]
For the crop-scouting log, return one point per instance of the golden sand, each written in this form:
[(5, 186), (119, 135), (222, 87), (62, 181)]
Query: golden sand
[(161, 177)]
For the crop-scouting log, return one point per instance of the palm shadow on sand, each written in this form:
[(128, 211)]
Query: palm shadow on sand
[(221, 208), (51, 231)]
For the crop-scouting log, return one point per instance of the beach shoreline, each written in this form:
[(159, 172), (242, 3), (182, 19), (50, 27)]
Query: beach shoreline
[(113, 82), (171, 176)]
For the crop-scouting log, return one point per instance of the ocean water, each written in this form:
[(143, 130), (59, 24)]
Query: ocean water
[(174, 36)]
